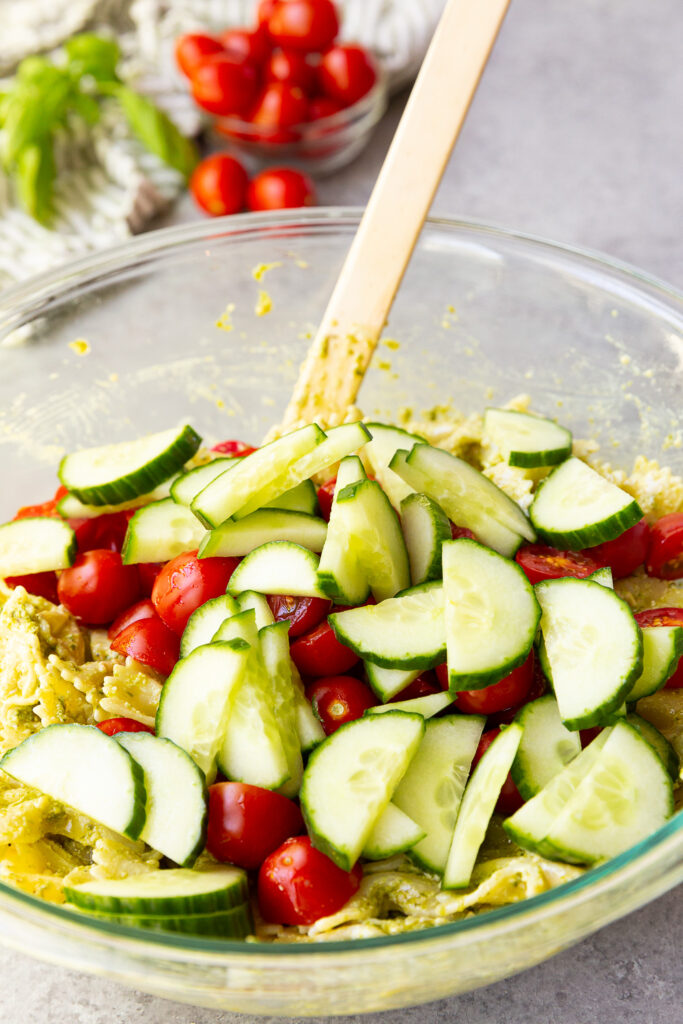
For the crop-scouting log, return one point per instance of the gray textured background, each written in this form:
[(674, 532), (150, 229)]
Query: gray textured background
[(576, 134)]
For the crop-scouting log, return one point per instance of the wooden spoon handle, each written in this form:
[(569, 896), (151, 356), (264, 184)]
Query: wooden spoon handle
[(357, 311)]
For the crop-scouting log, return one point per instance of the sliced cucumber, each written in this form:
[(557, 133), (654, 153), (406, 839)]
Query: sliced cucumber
[(187, 486), (394, 833), (202, 624), (387, 682), (577, 508), (467, 497), (426, 706), (402, 632), (431, 789), (241, 626), (302, 498), (625, 797), (350, 778), (228, 924), (175, 822), (35, 545), (274, 642), (228, 493), (81, 767), (425, 527), (258, 603), (196, 700), (160, 531), (278, 567), (593, 647), (662, 650), (240, 536), (308, 727), (171, 892), (114, 473), (478, 803), (375, 538), (339, 573), (603, 576), (546, 746), (658, 743), (525, 440), (491, 615), (386, 441), (71, 508)]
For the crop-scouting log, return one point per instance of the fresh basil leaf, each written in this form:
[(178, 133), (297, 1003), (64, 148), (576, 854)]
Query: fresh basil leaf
[(31, 112), (156, 131), (85, 106), (89, 54), (34, 177), (39, 71)]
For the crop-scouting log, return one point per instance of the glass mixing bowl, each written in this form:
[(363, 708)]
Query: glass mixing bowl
[(482, 315)]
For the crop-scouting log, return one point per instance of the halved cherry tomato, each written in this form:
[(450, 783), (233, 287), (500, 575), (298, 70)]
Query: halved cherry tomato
[(149, 641), (236, 449), (249, 44), (280, 188), (298, 884), (337, 700), (309, 25), (510, 692), (280, 106), (303, 613), (664, 617), (186, 582), (626, 552), (423, 686), (225, 84), (219, 185), (193, 48), (45, 508), (105, 531), (140, 610), (665, 556), (461, 531), (113, 725), (322, 106), (41, 584), (510, 799), (148, 572), (543, 563), (539, 686), (98, 587), (325, 496), (246, 823), (319, 653), (291, 67), (346, 74)]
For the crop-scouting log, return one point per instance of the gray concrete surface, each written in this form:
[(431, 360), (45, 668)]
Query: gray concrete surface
[(576, 134)]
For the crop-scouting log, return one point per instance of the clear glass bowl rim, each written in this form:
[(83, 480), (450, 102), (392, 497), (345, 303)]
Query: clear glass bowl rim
[(23, 302)]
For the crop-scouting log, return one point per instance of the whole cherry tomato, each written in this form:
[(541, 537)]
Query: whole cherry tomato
[(457, 532), (236, 449), (148, 572), (151, 642), (346, 74), (664, 617), (249, 44), (246, 823), (510, 692), (322, 106), (539, 686), (192, 49), (303, 613), (337, 700), (219, 185), (665, 555), (225, 84), (325, 496), (41, 584), (97, 587), (626, 552), (113, 725), (309, 25), (140, 610), (280, 105), (186, 582), (291, 67), (423, 686), (105, 531), (264, 11), (510, 799), (280, 188), (543, 563), (298, 884), (319, 653)]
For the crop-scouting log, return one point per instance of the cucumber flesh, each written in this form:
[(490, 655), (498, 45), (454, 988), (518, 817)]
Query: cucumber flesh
[(394, 833), (426, 706), (238, 537), (69, 507), (545, 748), (241, 626), (35, 544), (258, 603), (339, 573), (603, 576), (662, 650), (387, 682), (274, 642), (278, 567), (525, 440), (302, 498), (187, 486), (658, 743), (160, 531), (425, 528), (379, 452), (308, 727), (203, 623), (172, 891), (375, 538)]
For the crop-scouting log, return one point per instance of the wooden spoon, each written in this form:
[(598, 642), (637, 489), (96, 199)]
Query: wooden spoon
[(358, 309)]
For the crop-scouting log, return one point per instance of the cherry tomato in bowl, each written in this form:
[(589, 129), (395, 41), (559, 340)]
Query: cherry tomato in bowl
[(664, 617), (149, 641), (225, 84), (298, 884), (346, 74), (302, 613), (665, 554), (291, 67), (280, 188), (98, 587), (540, 562), (246, 823), (308, 25), (626, 552), (193, 48), (337, 700), (319, 653), (249, 44), (280, 105), (186, 582)]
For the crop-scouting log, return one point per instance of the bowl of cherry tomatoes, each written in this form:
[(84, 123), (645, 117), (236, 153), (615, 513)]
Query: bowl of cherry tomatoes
[(286, 89)]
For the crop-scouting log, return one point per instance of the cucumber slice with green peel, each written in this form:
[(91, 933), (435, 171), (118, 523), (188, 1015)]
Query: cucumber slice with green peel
[(426, 706), (525, 440), (196, 700), (308, 727), (187, 486), (171, 892), (625, 797), (278, 567), (603, 576), (375, 538), (241, 626), (545, 748), (425, 527), (662, 650), (175, 822), (339, 442), (73, 765), (529, 826), (477, 806), (593, 648), (387, 682), (431, 789), (258, 603), (71, 508), (577, 508), (35, 544), (339, 573), (228, 493), (110, 474), (160, 531), (227, 924), (274, 642), (238, 537), (394, 833), (402, 632), (659, 743), (467, 497), (379, 452), (202, 624), (350, 779), (302, 498), (491, 615)]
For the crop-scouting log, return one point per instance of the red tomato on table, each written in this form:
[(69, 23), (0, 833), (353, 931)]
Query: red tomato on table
[(544, 563), (98, 587), (626, 552), (319, 653), (219, 185), (113, 725), (303, 613), (664, 617), (151, 642), (665, 555), (246, 823), (280, 188), (298, 884), (510, 799), (337, 700), (186, 582)]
